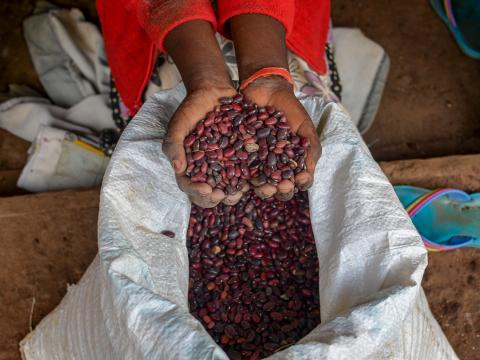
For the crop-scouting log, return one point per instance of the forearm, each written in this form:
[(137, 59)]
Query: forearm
[(196, 54), (259, 42)]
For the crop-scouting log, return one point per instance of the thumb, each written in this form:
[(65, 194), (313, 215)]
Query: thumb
[(176, 155)]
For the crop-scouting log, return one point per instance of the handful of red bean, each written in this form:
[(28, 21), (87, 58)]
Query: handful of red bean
[(240, 142)]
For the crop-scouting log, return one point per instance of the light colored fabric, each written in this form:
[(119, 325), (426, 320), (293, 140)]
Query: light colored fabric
[(363, 67), (60, 160), (23, 116), (132, 302), (68, 54)]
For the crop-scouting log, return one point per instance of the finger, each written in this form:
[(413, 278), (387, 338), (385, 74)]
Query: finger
[(209, 201), (265, 191), (313, 153), (185, 119), (284, 190), (303, 180), (245, 188), (182, 124), (191, 188), (235, 198), (176, 155)]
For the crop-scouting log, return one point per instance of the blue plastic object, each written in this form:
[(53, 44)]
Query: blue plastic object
[(466, 25), (446, 221)]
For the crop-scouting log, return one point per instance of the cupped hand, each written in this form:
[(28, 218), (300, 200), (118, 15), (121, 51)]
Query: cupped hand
[(193, 109), (277, 92)]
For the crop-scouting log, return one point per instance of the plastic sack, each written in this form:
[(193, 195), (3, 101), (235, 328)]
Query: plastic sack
[(132, 302)]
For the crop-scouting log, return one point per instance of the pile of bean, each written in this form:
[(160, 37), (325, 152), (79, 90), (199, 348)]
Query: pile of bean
[(254, 274), (239, 141)]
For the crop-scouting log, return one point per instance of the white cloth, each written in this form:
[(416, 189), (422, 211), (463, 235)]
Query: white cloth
[(59, 160), (363, 66), (68, 54), (132, 302), (24, 116)]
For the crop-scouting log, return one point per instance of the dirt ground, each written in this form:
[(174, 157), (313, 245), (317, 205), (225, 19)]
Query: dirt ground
[(430, 105), (452, 286), (430, 108), (48, 241)]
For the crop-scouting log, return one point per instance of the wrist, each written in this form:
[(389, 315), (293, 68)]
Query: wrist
[(259, 43), (271, 83), (194, 49), (268, 72), (207, 79)]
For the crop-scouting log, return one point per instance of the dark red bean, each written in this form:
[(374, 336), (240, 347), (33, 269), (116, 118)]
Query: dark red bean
[(237, 120), (263, 116), (277, 175), (212, 146), (198, 155), (282, 134), (271, 121), (199, 129), (287, 174), (251, 119), (226, 100), (238, 145), (236, 107), (242, 155), (263, 132), (168, 233), (211, 154), (189, 140), (257, 125), (271, 159)]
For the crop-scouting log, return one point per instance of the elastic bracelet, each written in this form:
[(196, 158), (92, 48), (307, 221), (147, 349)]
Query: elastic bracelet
[(268, 71)]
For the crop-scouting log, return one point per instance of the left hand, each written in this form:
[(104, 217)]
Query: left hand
[(277, 92)]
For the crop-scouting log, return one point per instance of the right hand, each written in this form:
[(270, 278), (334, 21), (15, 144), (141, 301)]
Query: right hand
[(193, 108)]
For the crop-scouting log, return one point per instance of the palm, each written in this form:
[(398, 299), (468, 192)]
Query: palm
[(188, 114), (279, 95)]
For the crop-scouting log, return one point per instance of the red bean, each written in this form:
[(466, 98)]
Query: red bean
[(168, 233), (287, 174), (263, 116), (189, 140), (251, 286), (198, 155), (254, 270), (228, 152), (226, 100), (271, 121), (263, 132)]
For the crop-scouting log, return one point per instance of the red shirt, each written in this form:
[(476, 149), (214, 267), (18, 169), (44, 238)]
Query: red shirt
[(134, 31)]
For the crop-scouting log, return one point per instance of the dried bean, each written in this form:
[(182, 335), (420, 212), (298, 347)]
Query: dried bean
[(250, 284)]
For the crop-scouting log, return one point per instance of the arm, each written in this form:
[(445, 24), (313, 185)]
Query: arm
[(195, 51), (260, 42)]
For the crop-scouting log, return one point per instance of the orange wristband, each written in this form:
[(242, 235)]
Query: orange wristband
[(268, 71)]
